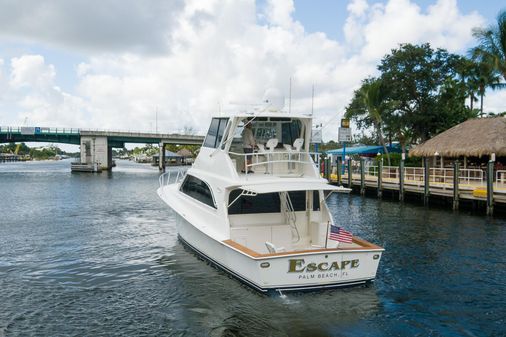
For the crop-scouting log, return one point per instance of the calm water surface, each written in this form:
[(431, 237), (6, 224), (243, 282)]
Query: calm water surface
[(90, 255)]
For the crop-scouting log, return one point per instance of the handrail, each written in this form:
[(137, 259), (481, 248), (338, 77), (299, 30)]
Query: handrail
[(308, 160), (165, 178)]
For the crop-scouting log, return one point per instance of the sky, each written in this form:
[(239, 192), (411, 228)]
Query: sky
[(141, 65)]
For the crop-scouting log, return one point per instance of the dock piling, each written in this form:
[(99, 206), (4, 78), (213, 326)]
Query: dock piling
[(350, 179), (380, 178), (401, 180), (490, 187), (362, 177), (338, 172), (456, 177), (426, 183)]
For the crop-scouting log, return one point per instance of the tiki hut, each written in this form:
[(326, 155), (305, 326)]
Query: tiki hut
[(477, 138)]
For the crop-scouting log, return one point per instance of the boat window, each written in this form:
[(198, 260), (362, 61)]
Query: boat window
[(261, 203), (316, 201), (198, 189), (215, 133), (298, 199), (264, 131), (290, 131)]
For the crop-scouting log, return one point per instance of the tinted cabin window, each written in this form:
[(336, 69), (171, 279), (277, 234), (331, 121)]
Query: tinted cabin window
[(316, 201), (262, 203), (290, 131), (215, 133), (198, 189), (298, 199)]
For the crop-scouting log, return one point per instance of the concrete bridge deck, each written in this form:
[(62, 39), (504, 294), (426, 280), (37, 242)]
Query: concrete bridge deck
[(96, 145)]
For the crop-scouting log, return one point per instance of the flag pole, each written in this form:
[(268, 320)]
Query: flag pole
[(327, 236)]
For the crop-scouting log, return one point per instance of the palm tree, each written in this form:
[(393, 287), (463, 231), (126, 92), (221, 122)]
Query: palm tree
[(491, 47), (483, 76), (373, 99)]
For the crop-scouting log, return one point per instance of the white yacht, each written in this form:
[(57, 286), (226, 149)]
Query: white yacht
[(270, 225)]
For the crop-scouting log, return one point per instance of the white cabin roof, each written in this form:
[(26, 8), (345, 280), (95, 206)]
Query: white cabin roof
[(299, 186), (276, 114)]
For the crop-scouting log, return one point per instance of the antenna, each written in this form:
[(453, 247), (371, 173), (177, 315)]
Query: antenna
[(156, 119), (290, 97), (312, 100)]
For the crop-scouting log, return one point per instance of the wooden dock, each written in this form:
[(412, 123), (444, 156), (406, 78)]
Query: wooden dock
[(457, 184)]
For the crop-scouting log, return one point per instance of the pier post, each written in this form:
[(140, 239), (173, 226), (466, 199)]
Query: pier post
[(161, 157), (339, 166), (350, 178), (426, 173), (456, 177), (327, 168), (490, 187), (401, 180), (362, 177), (380, 178)]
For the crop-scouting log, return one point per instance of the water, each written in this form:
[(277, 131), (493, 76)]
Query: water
[(90, 255)]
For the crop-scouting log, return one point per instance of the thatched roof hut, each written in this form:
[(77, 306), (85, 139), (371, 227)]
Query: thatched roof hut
[(185, 153), (473, 138)]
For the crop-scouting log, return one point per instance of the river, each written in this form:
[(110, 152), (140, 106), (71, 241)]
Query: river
[(98, 255)]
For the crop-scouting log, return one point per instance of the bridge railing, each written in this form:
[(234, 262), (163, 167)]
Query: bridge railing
[(56, 130), (38, 130)]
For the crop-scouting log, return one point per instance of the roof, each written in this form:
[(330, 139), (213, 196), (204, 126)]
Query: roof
[(185, 153), (169, 154), (300, 186), (366, 150), (275, 114), (472, 138)]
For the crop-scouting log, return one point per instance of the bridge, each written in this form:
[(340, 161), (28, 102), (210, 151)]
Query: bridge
[(96, 145)]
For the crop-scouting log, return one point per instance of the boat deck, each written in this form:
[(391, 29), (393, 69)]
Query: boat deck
[(357, 245)]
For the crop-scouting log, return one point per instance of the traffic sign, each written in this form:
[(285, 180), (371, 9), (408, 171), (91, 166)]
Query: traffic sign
[(344, 134)]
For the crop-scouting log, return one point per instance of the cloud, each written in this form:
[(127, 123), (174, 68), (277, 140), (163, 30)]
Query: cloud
[(32, 92), (220, 53), (31, 71), (105, 26)]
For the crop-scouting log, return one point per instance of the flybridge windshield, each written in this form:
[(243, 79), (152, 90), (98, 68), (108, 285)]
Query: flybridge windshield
[(285, 130), (215, 133)]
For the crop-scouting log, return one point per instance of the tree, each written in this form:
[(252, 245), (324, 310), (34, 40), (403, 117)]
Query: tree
[(485, 76), (420, 92), (417, 81), (370, 104), (491, 47)]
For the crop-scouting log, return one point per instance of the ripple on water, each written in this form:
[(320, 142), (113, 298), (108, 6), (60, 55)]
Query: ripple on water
[(98, 255)]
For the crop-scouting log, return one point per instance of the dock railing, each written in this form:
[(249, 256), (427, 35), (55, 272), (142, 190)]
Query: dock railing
[(468, 178)]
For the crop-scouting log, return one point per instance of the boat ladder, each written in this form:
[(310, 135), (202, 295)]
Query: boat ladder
[(290, 216)]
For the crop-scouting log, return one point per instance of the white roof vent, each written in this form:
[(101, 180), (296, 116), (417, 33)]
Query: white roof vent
[(273, 100)]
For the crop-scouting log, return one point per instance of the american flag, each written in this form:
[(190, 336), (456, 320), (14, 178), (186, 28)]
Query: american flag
[(340, 235)]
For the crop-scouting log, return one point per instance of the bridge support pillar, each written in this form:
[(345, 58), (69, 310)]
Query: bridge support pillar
[(95, 151), (161, 157)]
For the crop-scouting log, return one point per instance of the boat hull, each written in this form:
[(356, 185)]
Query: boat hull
[(290, 272)]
